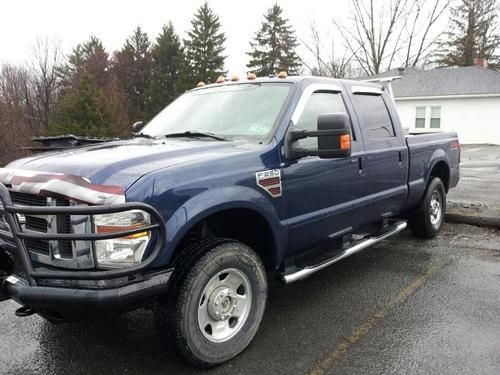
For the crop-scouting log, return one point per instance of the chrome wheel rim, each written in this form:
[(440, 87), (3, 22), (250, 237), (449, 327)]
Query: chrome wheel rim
[(436, 209), (224, 305)]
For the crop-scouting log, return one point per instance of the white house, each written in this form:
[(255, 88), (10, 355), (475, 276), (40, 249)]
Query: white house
[(463, 99)]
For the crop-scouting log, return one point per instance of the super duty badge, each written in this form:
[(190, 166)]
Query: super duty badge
[(270, 181)]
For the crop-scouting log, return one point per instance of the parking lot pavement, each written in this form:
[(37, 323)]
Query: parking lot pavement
[(404, 306), (479, 180)]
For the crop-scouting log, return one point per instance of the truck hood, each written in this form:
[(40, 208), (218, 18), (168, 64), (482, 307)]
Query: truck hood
[(122, 163)]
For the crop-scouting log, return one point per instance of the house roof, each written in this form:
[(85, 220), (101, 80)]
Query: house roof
[(468, 80)]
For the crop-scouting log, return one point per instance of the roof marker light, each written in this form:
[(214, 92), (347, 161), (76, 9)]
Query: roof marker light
[(235, 78), (221, 79), (201, 84), (282, 74), (251, 76)]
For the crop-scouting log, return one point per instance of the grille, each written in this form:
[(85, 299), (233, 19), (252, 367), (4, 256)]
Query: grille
[(64, 226), (37, 224), (36, 246), (40, 224), (27, 199)]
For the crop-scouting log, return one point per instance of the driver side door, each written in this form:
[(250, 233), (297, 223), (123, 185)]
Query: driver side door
[(324, 198)]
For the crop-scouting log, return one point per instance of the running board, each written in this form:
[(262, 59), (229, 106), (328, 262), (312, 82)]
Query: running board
[(363, 244)]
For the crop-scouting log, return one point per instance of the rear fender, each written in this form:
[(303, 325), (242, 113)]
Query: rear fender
[(419, 186), (438, 156)]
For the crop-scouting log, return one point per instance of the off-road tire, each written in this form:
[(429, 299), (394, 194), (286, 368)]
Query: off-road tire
[(420, 221), (191, 277)]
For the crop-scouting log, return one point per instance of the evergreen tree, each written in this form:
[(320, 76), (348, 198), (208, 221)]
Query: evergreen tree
[(90, 57), (473, 33), (205, 46), (87, 75), (273, 47), (167, 72), (83, 111), (132, 68)]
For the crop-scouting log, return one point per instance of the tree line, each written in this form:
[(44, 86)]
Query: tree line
[(94, 92)]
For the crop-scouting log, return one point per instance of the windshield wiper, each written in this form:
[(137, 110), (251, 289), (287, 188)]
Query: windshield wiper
[(195, 134)]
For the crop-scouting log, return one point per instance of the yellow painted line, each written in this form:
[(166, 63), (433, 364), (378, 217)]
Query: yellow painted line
[(328, 362)]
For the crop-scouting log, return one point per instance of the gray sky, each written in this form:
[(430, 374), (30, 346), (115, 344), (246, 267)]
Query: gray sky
[(113, 21)]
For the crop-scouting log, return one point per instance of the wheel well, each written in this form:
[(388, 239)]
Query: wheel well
[(442, 171), (244, 225)]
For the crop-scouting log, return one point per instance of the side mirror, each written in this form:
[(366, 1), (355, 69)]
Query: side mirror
[(334, 138), (137, 126)]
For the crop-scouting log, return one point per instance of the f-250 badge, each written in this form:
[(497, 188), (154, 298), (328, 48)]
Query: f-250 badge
[(270, 181)]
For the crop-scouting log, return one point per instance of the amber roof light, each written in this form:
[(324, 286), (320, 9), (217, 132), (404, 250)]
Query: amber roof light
[(282, 74), (201, 84)]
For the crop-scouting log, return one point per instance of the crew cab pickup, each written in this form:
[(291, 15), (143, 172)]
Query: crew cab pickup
[(229, 184)]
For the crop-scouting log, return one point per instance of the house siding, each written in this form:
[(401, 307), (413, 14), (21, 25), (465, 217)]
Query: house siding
[(476, 120)]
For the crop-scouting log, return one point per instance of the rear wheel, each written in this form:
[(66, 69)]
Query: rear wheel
[(219, 304), (428, 218)]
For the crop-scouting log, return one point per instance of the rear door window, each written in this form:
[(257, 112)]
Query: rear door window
[(374, 117)]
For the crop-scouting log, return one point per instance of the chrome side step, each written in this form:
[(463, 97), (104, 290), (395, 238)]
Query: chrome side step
[(363, 244)]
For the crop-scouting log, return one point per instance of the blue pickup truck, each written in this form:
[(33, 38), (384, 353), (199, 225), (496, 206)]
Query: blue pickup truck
[(231, 183)]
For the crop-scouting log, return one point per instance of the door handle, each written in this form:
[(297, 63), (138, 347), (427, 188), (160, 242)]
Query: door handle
[(359, 161), (400, 158)]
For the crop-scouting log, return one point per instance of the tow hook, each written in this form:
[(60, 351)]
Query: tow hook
[(24, 311)]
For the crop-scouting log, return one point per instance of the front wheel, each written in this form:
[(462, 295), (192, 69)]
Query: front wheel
[(428, 218), (220, 304)]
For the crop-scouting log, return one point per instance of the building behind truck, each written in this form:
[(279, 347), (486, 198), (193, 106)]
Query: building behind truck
[(462, 99)]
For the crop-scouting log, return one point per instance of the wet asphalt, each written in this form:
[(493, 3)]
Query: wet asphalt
[(403, 306), (479, 177)]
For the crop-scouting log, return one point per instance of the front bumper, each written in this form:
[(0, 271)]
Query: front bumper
[(61, 294), (68, 304)]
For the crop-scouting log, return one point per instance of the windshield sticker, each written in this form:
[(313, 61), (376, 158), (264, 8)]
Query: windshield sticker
[(259, 129)]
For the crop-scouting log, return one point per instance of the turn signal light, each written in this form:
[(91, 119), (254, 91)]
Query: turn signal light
[(116, 228), (345, 141)]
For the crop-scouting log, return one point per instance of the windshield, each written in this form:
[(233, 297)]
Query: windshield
[(233, 111)]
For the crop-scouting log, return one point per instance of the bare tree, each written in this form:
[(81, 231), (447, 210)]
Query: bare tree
[(327, 61), (15, 130), (44, 82), (383, 33), (419, 27)]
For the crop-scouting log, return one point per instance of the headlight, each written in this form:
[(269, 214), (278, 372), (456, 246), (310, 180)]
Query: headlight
[(125, 251)]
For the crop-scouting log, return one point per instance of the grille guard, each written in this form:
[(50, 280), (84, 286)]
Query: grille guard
[(18, 236)]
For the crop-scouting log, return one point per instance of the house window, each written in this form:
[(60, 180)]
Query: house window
[(420, 118), (435, 117), (428, 117)]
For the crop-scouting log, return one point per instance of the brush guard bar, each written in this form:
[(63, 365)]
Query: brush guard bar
[(18, 235)]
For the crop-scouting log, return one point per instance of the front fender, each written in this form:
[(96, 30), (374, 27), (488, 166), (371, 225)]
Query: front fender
[(216, 200)]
